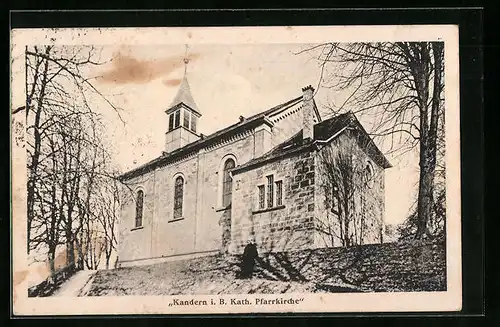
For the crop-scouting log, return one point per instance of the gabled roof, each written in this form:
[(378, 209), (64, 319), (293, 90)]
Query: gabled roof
[(294, 144), (330, 127), (323, 132), (184, 96), (243, 124)]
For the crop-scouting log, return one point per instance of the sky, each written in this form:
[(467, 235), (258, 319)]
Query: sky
[(226, 81)]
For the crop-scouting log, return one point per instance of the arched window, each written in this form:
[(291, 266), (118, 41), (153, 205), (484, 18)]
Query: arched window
[(139, 204), (178, 196), (335, 203), (368, 175), (227, 182)]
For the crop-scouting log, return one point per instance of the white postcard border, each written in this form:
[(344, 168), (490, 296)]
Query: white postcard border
[(449, 300)]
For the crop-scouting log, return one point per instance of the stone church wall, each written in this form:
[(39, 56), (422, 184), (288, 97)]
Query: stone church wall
[(294, 225), (201, 227), (287, 124), (135, 243), (280, 228), (366, 225), (211, 214), (170, 235)]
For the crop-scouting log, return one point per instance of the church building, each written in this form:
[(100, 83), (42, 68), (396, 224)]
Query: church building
[(263, 177)]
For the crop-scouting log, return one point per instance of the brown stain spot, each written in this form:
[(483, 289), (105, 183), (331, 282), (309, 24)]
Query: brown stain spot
[(190, 35), (18, 278), (128, 69), (171, 82), (43, 270), (60, 260), (289, 28)]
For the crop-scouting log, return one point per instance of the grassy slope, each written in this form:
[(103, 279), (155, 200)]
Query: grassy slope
[(384, 267)]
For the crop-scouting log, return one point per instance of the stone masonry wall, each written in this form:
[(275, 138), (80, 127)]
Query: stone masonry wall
[(204, 220), (212, 217), (170, 235), (206, 225), (279, 228), (285, 128), (367, 223)]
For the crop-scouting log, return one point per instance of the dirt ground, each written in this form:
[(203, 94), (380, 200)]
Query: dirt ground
[(369, 268)]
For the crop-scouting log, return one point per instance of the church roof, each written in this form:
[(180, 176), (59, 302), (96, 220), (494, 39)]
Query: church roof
[(184, 96), (243, 124), (323, 131), (330, 127)]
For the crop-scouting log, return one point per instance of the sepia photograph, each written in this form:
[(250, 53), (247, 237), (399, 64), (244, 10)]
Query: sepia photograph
[(235, 170)]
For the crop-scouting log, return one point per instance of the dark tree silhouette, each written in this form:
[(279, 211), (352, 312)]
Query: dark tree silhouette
[(68, 162)]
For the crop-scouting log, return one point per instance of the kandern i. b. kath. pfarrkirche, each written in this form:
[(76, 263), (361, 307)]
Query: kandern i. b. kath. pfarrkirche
[(284, 176)]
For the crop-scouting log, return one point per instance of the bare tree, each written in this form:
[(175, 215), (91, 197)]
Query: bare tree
[(68, 160), (400, 85), (107, 217)]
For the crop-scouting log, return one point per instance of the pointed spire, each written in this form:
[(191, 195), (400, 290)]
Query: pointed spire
[(184, 92)]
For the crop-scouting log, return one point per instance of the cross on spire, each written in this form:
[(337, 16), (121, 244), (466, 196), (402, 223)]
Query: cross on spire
[(184, 92), (186, 60)]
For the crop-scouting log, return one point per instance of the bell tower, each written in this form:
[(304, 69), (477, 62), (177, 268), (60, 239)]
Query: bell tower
[(182, 116)]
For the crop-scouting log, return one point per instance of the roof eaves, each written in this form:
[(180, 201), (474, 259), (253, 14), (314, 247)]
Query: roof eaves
[(192, 146), (282, 107), (317, 111), (207, 139), (379, 155)]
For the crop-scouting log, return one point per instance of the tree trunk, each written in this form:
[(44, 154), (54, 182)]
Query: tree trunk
[(33, 168), (428, 139), (107, 260), (51, 256), (425, 194), (70, 248), (347, 218)]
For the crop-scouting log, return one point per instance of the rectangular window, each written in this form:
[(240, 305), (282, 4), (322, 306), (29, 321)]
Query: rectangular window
[(270, 191), (262, 197), (279, 193), (177, 118), (171, 122), (186, 119), (193, 123)]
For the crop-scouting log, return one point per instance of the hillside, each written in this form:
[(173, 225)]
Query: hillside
[(391, 267)]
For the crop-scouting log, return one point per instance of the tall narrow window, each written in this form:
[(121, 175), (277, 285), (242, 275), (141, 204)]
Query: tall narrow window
[(262, 197), (227, 182), (335, 199), (171, 122), (139, 208), (270, 191), (177, 120), (193, 123), (279, 193), (178, 196), (186, 119), (369, 177)]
